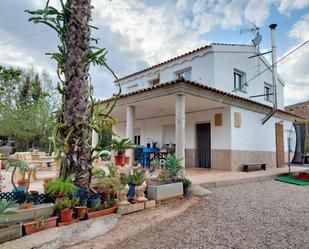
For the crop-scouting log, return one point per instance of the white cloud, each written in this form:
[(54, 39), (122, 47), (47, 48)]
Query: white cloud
[(294, 68), (155, 33), (257, 11), (285, 6), (162, 31), (300, 30)]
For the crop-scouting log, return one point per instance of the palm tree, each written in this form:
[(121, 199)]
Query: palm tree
[(78, 113), (73, 59), (76, 90)]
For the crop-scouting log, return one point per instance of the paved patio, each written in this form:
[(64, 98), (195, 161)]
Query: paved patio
[(208, 178), (213, 178)]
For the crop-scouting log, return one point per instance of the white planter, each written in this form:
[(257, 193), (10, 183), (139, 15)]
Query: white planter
[(9, 233), (165, 191), (38, 211)]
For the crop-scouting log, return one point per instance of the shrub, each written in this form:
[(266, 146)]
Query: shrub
[(64, 187)]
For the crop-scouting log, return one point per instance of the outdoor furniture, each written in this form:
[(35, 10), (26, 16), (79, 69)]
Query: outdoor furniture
[(146, 155), (253, 166)]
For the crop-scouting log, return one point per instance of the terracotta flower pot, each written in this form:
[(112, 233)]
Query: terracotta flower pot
[(26, 206), (102, 212), (81, 211), (119, 160), (105, 194), (23, 183), (35, 226), (66, 215), (127, 160)]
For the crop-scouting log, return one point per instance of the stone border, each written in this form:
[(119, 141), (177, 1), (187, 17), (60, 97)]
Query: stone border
[(59, 237)]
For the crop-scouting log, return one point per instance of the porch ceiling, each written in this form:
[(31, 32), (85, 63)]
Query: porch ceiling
[(164, 106)]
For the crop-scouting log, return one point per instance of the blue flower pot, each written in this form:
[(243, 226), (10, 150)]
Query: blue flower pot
[(94, 200), (132, 191)]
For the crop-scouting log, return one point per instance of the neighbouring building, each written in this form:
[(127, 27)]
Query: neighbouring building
[(202, 103), (301, 109)]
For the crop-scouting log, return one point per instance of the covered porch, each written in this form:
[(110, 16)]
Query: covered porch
[(180, 119)]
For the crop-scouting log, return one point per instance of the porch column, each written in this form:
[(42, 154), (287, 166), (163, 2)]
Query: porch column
[(130, 125), (180, 125)]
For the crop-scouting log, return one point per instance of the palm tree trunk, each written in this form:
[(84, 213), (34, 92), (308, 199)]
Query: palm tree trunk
[(76, 91)]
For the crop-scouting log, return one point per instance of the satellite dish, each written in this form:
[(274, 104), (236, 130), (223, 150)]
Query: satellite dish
[(255, 29), (257, 39)]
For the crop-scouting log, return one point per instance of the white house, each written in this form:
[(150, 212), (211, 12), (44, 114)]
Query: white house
[(202, 102)]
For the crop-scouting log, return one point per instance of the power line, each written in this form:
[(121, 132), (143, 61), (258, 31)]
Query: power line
[(268, 67), (23, 37)]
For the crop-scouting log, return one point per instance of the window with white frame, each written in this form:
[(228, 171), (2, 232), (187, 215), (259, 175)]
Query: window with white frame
[(154, 82), (268, 92), (185, 74), (239, 81)]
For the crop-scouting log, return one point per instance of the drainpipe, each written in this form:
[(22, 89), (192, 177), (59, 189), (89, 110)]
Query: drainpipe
[(274, 72)]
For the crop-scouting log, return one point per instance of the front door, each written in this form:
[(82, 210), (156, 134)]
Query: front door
[(279, 145), (203, 145)]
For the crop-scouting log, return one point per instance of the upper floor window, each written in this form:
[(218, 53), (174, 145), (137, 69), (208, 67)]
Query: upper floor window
[(268, 92), (155, 80), (239, 81), (132, 88), (185, 74)]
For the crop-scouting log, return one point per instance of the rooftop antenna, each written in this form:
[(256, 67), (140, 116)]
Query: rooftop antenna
[(255, 30), (256, 42)]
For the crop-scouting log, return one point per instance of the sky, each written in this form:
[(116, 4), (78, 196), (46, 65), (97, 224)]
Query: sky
[(138, 34)]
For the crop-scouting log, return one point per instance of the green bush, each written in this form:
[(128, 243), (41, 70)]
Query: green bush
[(173, 166), (58, 186), (66, 203)]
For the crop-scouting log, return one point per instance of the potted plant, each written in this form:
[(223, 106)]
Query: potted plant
[(39, 225), (99, 210), (81, 211), (136, 179), (169, 186), (65, 207), (24, 172), (186, 184), (109, 186), (120, 147), (8, 230), (59, 188), (140, 184)]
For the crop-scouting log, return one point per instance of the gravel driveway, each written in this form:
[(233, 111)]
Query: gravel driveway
[(260, 215), (268, 214)]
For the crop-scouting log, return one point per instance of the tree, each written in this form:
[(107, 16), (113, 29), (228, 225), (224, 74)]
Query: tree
[(76, 116), (9, 77), (25, 108)]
